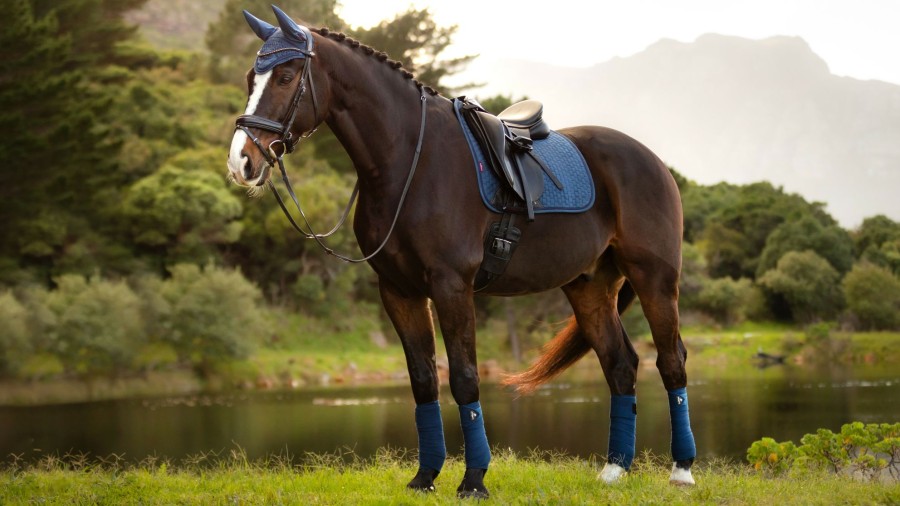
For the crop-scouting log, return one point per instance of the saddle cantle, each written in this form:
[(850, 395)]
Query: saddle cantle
[(508, 142)]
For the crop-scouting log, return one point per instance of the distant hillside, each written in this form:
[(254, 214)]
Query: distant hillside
[(176, 24), (727, 108)]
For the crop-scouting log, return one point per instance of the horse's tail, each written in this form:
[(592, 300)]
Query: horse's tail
[(566, 348)]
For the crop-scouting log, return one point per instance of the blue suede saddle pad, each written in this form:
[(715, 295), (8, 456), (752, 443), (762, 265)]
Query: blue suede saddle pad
[(560, 155)]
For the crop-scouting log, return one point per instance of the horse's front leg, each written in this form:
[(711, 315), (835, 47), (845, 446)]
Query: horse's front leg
[(412, 319), (453, 300)]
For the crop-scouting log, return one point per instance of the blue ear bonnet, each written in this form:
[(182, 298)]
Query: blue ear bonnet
[(288, 42)]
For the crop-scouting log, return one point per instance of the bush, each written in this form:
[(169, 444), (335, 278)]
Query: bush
[(865, 451), (725, 299), (873, 296), (808, 283), (215, 313), (14, 343), (99, 323)]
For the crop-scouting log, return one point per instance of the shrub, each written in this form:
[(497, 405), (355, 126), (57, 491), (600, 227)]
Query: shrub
[(99, 323), (862, 450), (771, 457), (725, 299), (215, 313), (808, 283), (14, 342), (873, 296)]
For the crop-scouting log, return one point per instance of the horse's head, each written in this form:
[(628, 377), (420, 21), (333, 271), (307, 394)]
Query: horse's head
[(282, 106)]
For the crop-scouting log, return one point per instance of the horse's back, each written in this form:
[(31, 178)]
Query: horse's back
[(639, 189)]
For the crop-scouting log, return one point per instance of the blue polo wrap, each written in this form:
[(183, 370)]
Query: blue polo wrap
[(430, 428), (683, 447), (478, 452), (622, 427)]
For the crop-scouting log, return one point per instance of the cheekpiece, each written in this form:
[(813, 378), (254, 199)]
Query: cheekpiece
[(287, 42)]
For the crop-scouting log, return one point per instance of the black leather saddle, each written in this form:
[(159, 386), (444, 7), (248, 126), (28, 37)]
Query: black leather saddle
[(507, 141)]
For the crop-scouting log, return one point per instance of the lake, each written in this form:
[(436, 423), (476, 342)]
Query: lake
[(570, 415)]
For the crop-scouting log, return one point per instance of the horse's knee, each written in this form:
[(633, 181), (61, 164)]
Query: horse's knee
[(464, 384)]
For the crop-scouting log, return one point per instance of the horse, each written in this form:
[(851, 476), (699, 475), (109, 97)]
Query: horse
[(421, 225)]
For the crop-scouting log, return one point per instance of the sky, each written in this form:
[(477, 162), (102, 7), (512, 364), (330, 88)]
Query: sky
[(857, 38)]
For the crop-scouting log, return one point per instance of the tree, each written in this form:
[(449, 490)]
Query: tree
[(736, 233), (874, 232), (808, 283), (873, 296), (829, 241), (232, 45), (725, 299)]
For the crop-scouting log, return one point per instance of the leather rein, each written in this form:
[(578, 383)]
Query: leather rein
[(288, 144)]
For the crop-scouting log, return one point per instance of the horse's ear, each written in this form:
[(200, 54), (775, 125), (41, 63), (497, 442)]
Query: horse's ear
[(288, 26), (262, 29)]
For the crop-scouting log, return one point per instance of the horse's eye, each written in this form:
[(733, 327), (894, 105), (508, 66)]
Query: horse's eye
[(286, 79)]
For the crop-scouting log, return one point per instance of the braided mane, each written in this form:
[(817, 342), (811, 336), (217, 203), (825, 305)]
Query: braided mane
[(374, 53)]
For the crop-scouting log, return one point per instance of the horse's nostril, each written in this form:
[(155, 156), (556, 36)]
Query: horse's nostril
[(247, 169)]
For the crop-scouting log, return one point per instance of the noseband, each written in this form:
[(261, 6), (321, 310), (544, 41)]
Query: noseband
[(286, 139)]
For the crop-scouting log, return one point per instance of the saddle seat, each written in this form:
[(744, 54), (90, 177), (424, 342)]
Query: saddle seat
[(507, 139), (526, 115)]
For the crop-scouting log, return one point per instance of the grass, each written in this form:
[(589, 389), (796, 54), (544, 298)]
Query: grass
[(539, 478)]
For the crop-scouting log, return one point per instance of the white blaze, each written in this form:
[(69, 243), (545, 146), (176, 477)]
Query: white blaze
[(236, 161)]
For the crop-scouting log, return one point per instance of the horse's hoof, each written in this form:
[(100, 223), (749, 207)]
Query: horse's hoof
[(472, 486), (612, 473), (423, 481), (681, 477)]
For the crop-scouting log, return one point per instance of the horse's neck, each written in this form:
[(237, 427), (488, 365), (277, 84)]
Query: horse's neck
[(375, 114)]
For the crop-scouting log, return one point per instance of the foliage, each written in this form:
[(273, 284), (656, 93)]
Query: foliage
[(735, 234), (213, 314), (771, 457), (725, 299), (828, 241), (864, 451), (808, 283), (873, 296), (14, 337)]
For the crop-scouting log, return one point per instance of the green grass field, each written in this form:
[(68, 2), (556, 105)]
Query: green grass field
[(533, 479)]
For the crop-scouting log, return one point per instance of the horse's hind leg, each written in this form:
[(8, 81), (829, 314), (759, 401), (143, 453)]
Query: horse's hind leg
[(596, 312), (412, 319), (656, 284)]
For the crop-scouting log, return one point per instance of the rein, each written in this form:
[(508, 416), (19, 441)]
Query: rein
[(286, 140)]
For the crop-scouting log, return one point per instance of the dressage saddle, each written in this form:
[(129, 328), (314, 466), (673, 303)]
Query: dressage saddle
[(507, 140)]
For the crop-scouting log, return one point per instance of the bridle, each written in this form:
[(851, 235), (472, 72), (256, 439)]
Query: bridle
[(288, 143)]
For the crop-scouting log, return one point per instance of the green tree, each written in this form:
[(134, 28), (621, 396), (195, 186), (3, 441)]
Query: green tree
[(735, 235), (232, 45), (874, 232), (98, 323), (14, 342), (215, 314), (725, 299), (829, 241), (809, 285), (873, 296)]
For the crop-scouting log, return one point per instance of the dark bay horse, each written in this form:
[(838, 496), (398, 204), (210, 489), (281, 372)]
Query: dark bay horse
[(418, 203)]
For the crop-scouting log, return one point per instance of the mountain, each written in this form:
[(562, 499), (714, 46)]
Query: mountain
[(731, 109)]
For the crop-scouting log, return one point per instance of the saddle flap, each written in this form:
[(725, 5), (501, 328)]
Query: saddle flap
[(492, 135)]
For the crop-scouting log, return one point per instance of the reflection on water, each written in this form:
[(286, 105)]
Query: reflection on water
[(569, 416)]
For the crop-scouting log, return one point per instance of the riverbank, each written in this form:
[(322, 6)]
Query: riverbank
[(365, 357), (513, 479)]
